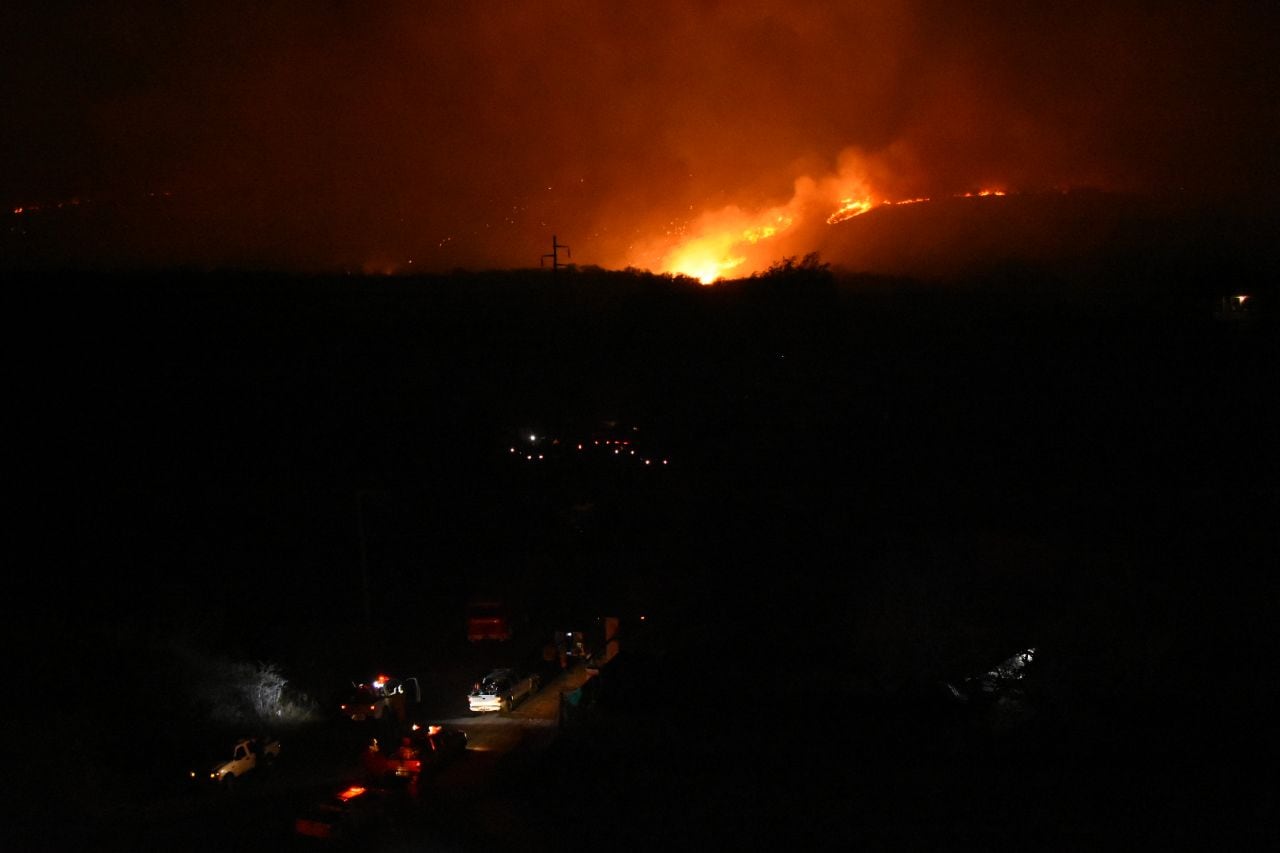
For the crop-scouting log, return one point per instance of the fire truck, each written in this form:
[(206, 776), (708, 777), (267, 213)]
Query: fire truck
[(488, 619)]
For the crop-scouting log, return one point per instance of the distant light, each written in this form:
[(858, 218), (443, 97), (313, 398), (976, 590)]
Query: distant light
[(532, 437), (646, 462), (350, 793), (1240, 300)]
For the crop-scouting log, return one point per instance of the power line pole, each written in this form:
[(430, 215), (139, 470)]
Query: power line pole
[(555, 255)]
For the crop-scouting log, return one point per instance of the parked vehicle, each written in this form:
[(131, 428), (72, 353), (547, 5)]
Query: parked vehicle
[(489, 619), (247, 755), (986, 686), (347, 814), (501, 690), (383, 698), (573, 646), (424, 750), (591, 641)]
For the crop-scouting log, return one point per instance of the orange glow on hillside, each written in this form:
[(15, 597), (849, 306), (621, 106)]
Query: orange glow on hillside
[(718, 249), (738, 241)]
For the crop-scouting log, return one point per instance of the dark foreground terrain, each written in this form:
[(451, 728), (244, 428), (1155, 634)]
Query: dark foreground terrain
[(873, 488)]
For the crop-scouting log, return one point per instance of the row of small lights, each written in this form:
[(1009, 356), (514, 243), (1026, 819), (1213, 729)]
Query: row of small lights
[(619, 446)]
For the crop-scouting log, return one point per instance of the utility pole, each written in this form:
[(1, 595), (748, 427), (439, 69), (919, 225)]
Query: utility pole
[(554, 255)]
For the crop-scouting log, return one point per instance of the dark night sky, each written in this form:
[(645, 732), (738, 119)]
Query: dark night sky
[(361, 135)]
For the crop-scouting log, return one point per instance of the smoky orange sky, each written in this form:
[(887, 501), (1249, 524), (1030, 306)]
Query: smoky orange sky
[(363, 135)]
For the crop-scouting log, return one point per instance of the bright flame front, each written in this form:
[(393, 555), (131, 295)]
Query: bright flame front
[(733, 241), (722, 242), (849, 208), (738, 242)]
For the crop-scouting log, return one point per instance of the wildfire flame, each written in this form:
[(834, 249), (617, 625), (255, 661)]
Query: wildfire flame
[(849, 208), (721, 237), (727, 241), (734, 241), (737, 241)]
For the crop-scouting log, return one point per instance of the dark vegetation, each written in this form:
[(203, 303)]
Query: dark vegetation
[(876, 485)]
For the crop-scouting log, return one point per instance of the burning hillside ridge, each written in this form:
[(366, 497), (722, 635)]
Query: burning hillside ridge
[(733, 241), (877, 213), (1080, 235)]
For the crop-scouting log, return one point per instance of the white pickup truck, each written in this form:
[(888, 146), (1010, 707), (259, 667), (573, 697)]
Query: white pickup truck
[(247, 755)]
